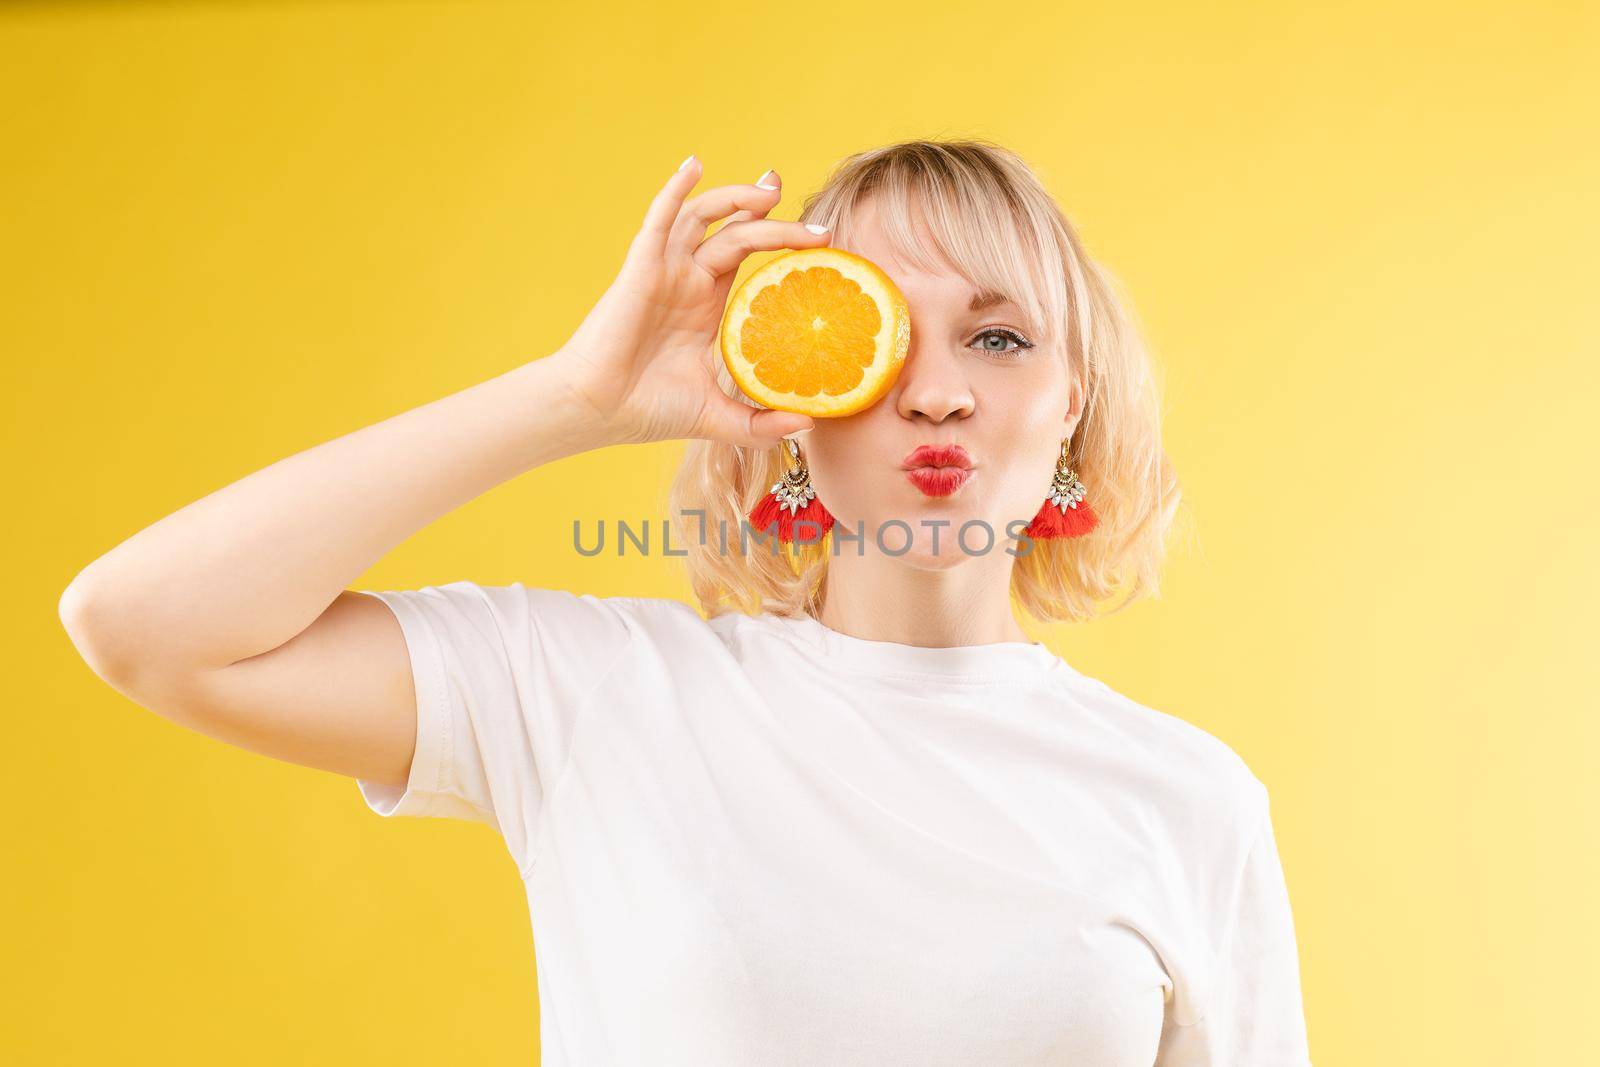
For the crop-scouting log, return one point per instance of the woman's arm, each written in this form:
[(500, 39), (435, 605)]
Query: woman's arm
[(243, 570), (231, 615)]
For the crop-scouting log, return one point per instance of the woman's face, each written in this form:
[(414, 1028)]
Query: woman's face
[(966, 381)]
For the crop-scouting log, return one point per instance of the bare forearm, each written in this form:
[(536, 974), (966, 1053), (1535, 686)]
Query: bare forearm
[(246, 568)]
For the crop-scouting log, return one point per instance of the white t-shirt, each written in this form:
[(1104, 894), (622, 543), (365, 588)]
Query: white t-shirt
[(756, 840)]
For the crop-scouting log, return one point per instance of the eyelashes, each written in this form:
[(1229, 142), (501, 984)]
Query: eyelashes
[(1022, 343)]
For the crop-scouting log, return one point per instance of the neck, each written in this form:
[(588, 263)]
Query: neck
[(881, 598)]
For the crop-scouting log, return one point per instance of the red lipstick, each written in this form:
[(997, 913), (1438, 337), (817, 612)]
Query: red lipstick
[(937, 470)]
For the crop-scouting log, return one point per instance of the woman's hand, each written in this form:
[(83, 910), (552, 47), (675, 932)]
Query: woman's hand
[(645, 357)]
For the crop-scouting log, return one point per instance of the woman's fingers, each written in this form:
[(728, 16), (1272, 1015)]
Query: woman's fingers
[(746, 214), (729, 419), (724, 250), (651, 240), (690, 228)]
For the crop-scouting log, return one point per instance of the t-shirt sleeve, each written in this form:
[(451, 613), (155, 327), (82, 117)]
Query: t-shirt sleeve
[(1255, 1016), (502, 674)]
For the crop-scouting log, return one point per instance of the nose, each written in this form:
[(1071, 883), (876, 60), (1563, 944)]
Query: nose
[(932, 384)]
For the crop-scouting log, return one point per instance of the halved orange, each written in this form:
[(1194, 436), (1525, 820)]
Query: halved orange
[(819, 331)]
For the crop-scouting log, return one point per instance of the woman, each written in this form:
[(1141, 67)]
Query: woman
[(859, 818)]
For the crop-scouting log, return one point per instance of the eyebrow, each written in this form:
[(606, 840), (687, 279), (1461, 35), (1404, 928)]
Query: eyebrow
[(987, 299)]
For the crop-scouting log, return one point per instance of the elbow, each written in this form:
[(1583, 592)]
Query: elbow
[(75, 611), (83, 617)]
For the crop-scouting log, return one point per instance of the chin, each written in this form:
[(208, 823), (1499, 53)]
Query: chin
[(922, 557), (918, 550)]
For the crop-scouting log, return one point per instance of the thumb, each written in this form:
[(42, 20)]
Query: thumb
[(739, 423)]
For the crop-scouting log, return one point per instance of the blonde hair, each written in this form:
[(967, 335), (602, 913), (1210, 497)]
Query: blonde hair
[(992, 219)]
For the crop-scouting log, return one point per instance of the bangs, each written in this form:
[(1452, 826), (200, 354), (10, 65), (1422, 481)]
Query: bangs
[(942, 216)]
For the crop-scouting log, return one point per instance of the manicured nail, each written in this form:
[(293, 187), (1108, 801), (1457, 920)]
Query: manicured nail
[(687, 161), (814, 228), (763, 183)]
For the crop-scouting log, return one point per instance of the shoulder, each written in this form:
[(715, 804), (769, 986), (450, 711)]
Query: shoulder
[(560, 607), (555, 622), (1196, 771), (1202, 806)]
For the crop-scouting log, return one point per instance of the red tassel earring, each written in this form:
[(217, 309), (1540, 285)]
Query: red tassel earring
[(1064, 513), (791, 500)]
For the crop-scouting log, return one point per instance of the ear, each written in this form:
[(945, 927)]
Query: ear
[(1077, 397)]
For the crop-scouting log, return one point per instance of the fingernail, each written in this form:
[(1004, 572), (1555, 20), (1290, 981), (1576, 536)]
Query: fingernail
[(814, 228), (763, 183), (687, 161)]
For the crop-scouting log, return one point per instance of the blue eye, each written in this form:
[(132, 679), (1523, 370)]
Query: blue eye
[(1003, 334)]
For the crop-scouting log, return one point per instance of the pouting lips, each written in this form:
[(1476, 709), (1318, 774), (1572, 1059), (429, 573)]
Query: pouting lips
[(952, 455), (938, 481)]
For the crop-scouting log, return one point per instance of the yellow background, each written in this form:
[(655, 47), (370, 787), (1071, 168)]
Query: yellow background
[(1362, 243)]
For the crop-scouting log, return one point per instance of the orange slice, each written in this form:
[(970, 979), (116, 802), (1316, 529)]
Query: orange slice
[(819, 331)]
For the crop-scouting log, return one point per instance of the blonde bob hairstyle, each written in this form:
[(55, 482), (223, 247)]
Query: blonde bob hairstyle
[(992, 220)]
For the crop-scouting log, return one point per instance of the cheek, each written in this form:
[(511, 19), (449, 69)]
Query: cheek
[(1023, 402), (855, 463), (836, 451), (1036, 395), (1024, 436)]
